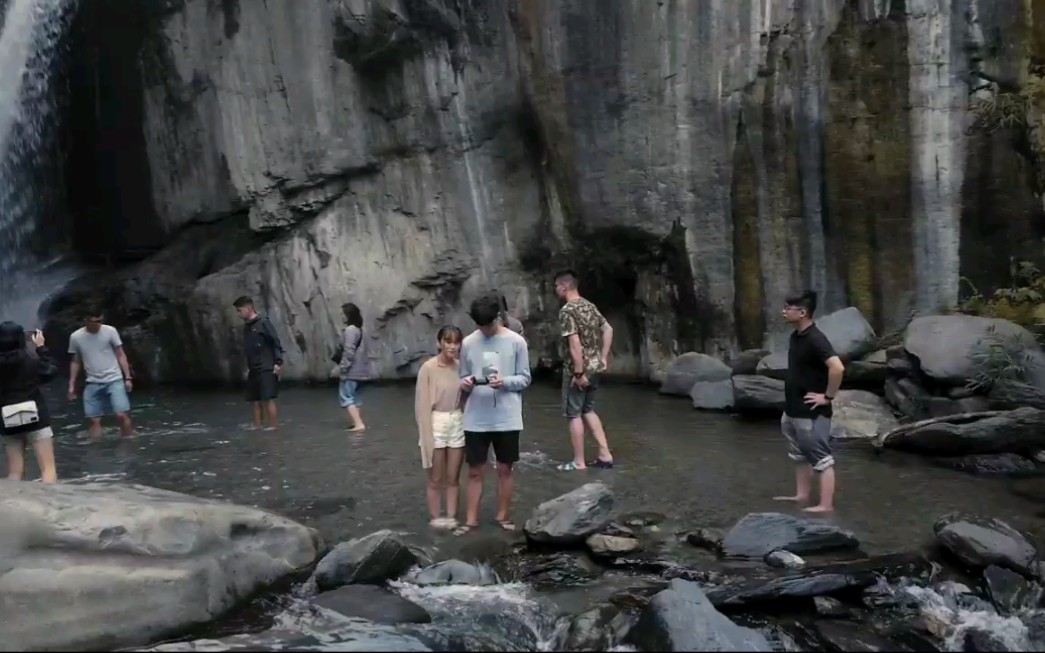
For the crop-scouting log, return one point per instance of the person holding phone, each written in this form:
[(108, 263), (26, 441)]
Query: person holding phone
[(494, 370), (26, 419)]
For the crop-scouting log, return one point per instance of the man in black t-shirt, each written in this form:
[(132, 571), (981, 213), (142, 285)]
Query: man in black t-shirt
[(814, 374)]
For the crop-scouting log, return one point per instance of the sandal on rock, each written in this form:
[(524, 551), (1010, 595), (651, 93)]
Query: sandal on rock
[(570, 467), (599, 463), (465, 529), (507, 525), (443, 523)]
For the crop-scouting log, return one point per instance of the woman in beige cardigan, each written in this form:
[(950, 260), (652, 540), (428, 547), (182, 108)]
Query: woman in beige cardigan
[(440, 423)]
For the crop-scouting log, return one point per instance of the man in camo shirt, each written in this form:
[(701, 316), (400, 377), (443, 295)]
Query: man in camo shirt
[(585, 349)]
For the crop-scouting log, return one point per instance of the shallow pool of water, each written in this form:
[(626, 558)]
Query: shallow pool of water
[(699, 469)]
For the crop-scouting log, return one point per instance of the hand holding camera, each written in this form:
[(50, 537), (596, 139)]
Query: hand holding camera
[(36, 337)]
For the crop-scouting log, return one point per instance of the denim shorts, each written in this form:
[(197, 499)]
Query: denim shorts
[(348, 393), (97, 395)]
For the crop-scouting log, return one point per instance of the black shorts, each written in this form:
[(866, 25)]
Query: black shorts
[(477, 446), (262, 385), (577, 402)]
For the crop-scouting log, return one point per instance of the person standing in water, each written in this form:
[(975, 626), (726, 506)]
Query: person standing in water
[(440, 423), (22, 372), (98, 349), (586, 338), (354, 367), (264, 354), (495, 369), (814, 375)]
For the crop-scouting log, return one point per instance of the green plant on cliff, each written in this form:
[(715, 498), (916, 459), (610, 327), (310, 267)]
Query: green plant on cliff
[(999, 111), (1000, 359), (1022, 302)]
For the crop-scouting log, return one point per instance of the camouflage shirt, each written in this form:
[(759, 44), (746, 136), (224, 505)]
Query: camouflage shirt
[(581, 317)]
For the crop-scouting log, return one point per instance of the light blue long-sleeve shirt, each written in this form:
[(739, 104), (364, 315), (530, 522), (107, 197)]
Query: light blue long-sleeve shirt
[(506, 353)]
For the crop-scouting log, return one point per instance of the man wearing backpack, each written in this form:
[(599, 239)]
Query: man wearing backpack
[(264, 355)]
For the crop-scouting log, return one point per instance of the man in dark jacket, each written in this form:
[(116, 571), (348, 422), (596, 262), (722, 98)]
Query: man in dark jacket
[(21, 373), (264, 361)]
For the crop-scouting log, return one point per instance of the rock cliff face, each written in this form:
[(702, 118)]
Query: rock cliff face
[(696, 160)]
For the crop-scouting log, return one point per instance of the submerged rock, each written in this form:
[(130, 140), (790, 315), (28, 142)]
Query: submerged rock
[(681, 618), (453, 572), (100, 566), (1008, 591), (785, 560), (572, 517), (979, 542), (610, 545), (375, 558), (709, 539), (598, 629), (758, 534), (373, 603)]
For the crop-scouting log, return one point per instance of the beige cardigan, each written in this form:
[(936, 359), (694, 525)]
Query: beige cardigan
[(438, 388)]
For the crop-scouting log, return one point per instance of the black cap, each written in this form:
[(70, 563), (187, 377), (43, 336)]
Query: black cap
[(12, 336)]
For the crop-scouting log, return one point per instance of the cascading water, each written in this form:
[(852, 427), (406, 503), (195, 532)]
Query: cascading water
[(30, 46)]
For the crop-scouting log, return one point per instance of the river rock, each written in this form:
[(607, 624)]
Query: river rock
[(597, 629), (979, 542), (611, 545), (681, 618), (784, 560), (706, 538), (823, 580), (946, 346), (911, 399), (690, 368), (373, 603), (320, 633), (97, 566), (758, 394), (861, 415), (378, 557), (712, 395), (1009, 592), (827, 606), (746, 361), (854, 638), (758, 534), (572, 517), (453, 572), (864, 374), (1004, 464), (1020, 431)]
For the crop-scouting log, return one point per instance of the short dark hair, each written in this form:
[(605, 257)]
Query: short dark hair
[(92, 311), (243, 301), (485, 310), (806, 300), (352, 315), (568, 276), (449, 332)]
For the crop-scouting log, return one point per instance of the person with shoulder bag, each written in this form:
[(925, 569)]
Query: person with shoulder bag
[(353, 365), (25, 417)]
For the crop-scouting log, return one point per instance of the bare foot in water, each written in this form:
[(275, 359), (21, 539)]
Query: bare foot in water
[(818, 509), (358, 428), (794, 499)]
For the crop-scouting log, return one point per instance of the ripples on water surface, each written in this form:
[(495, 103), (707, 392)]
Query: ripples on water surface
[(700, 469)]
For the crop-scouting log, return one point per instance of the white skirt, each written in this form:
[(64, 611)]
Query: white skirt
[(448, 429)]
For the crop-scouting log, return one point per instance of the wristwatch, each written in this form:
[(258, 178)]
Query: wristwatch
[(829, 397), (578, 375)]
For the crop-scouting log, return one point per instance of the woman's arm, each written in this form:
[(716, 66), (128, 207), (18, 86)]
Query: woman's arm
[(423, 402), (350, 339)]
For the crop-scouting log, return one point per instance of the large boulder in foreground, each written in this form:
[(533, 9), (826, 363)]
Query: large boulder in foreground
[(104, 566), (979, 542), (1020, 431), (860, 415), (758, 394), (761, 533), (947, 346), (681, 618), (691, 368), (571, 518)]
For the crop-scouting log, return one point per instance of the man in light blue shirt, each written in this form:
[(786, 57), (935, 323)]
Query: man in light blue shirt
[(495, 369)]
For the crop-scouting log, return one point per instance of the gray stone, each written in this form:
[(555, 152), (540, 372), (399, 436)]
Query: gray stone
[(860, 415), (979, 542), (378, 557), (611, 545), (1020, 431), (746, 362), (760, 533), (598, 629), (681, 618), (453, 572), (946, 346), (572, 517), (691, 368), (99, 566), (707, 538), (758, 394), (713, 395), (784, 560), (373, 603)]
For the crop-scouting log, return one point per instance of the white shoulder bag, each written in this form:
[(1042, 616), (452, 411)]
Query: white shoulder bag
[(19, 415)]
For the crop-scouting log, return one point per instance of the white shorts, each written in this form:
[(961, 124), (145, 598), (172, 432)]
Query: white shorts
[(31, 437), (448, 429)]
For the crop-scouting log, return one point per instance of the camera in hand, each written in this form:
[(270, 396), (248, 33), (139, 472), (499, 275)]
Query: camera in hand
[(481, 380)]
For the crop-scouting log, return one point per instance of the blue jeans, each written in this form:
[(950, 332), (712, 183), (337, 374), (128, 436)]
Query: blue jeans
[(348, 393), (96, 395)]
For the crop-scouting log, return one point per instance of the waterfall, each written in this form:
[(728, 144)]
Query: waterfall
[(30, 45)]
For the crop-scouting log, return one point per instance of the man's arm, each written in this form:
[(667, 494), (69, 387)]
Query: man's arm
[(273, 337), (607, 341), (568, 330), (121, 358), (74, 371), (835, 369), (520, 379)]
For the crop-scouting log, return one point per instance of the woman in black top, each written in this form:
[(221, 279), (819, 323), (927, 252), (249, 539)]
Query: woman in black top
[(22, 372)]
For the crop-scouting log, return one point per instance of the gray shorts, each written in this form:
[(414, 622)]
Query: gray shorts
[(809, 441), (577, 402), (31, 437)]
